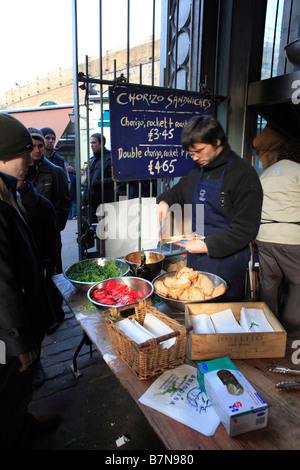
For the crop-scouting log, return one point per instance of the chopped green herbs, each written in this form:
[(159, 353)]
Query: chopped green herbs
[(252, 325), (155, 300), (170, 390), (111, 318), (89, 271), (88, 307)]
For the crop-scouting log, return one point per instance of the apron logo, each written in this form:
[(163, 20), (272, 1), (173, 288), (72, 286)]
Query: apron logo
[(222, 198), (202, 195)]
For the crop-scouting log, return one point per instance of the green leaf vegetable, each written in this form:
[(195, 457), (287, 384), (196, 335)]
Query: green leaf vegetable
[(252, 325), (90, 271), (172, 389)]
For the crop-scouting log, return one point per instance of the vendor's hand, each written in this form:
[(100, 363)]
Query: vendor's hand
[(162, 211), (27, 360), (194, 246)]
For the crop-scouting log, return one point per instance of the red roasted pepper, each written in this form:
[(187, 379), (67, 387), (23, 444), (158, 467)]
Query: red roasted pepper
[(115, 293)]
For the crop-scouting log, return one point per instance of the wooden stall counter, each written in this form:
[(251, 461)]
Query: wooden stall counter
[(282, 431)]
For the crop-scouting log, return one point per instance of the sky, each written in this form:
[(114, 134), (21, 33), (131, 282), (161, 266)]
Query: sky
[(36, 35)]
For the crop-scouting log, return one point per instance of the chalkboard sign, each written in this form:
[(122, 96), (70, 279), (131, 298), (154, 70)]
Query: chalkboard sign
[(146, 125)]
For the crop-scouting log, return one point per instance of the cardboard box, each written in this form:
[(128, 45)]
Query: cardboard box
[(235, 345), (238, 405)]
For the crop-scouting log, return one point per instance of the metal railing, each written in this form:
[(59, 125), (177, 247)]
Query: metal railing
[(83, 80)]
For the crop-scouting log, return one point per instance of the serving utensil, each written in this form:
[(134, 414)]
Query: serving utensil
[(288, 385), (283, 369), (185, 240)]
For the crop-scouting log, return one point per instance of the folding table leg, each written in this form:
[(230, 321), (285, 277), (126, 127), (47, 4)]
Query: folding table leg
[(85, 340)]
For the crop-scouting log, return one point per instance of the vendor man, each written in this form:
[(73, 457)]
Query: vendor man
[(231, 193)]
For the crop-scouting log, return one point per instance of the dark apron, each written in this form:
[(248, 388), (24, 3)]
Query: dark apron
[(231, 268)]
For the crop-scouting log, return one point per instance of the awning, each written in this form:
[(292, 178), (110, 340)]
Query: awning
[(273, 99), (57, 118)]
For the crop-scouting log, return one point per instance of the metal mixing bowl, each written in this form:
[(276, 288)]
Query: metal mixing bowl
[(85, 286), (154, 261), (136, 283), (180, 304), (292, 51)]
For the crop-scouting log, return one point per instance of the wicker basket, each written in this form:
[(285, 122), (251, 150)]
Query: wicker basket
[(148, 359)]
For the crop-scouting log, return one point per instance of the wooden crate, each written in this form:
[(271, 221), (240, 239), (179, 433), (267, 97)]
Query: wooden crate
[(235, 345)]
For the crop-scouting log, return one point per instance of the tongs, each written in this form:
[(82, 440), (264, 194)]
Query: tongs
[(161, 230), (289, 384), (284, 370)]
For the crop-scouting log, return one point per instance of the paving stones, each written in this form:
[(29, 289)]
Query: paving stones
[(95, 409)]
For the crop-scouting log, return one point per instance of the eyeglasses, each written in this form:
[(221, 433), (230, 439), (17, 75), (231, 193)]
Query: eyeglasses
[(196, 152)]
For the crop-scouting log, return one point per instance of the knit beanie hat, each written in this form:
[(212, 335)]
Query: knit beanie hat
[(15, 140), (269, 139), (48, 130), (36, 134)]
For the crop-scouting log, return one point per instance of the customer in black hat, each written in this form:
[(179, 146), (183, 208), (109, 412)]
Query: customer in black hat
[(50, 151), (24, 310)]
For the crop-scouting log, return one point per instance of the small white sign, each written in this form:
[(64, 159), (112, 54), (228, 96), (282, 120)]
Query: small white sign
[(2, 352)]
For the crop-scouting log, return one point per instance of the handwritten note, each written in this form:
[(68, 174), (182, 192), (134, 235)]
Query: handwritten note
[(146, 125)]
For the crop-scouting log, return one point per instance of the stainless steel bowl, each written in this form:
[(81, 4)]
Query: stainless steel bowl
[(136, 283), (154, 261), (85, 286), (180, 304), (292, 51)]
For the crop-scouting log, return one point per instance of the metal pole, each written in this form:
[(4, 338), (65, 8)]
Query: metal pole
[(101, 242), (101, 99), (88, 172), (153, 43), (77, 126), (128, 37)]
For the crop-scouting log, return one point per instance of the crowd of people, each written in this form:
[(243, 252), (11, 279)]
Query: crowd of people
[(38, 196)]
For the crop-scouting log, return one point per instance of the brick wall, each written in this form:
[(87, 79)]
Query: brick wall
[(57, 87)]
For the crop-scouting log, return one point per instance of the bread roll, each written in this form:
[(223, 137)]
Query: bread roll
[(184, 270), (205, 284), (195, 294), (175, 293), (218, 290), (160, 288), (191, 276), (173, 283), (184, 297)]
